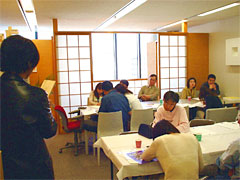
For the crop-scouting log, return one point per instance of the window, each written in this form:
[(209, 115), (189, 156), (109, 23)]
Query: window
[(123, 54), (115, 56)]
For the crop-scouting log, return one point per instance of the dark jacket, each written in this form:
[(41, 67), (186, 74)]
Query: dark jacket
[(25, 120)]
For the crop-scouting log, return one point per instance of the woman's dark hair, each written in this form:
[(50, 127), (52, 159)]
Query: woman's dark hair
[(18, 54), (163, 127), (188, 81), (98, 86), (170, 95), (120, 88)]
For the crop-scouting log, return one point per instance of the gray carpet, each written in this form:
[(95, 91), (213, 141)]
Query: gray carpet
[(68, 166)]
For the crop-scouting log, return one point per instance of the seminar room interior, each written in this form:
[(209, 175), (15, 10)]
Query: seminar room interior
[(172, 39)]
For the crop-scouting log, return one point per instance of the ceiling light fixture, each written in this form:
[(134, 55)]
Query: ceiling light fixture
[(27, 9), (219, 9), (170, 25), (133, 4)]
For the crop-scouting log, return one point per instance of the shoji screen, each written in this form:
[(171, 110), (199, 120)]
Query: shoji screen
[(73, 70), (173, 69)]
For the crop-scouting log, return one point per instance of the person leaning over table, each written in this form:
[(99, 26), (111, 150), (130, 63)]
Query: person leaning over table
[(134, 102), (178, 153), (26, 118), (172, 112), (112, 101), (190, 90), (125, 83), (149, 92), (96, 95)]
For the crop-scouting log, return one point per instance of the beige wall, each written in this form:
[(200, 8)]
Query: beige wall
[(228, 77)]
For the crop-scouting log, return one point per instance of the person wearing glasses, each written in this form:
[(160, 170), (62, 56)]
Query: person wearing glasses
[(149, 92)]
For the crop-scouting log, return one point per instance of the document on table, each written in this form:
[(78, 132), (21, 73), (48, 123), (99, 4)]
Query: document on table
[(134, 157), (197, 104), (233, 125), (90, 110), (202, 130)]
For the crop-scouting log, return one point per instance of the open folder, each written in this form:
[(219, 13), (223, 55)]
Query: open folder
[(48, 85), (135, 157)]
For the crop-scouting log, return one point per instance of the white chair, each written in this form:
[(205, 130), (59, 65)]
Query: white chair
[(187, 111), (109, 124), (222, 114), (140, 116)]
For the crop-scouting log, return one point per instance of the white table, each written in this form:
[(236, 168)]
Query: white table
[(215, 140), (231, 100), (90, 110), (182, 102)]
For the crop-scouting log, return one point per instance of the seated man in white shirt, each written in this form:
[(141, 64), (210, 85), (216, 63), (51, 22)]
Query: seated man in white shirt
[(172, 112)]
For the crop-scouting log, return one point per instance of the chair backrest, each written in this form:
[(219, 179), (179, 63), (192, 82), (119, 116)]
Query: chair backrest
[(63, 116), (109, 124), (187, 111), (140, 116), (222, 114), (201, 122), (197, 93)]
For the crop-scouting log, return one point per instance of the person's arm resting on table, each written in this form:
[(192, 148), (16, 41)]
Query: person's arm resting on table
[(149, 153)]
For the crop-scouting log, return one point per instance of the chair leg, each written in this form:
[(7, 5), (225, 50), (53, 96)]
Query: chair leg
[(98, 155), (86, 141), (76, 143), (94, 140)]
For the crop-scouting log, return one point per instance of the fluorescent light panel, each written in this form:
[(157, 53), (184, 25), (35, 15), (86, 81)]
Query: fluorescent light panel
[(28, 12), (219, 9), (121, 12), (170, 25)]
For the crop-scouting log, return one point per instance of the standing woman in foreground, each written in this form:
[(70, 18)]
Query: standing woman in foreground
[(26, 118), (190, 90)]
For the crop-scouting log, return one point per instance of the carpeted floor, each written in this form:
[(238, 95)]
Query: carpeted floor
[(68, 166)]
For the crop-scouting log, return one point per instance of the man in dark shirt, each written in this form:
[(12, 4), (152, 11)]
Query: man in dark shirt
[(209, 87), (114, 101)]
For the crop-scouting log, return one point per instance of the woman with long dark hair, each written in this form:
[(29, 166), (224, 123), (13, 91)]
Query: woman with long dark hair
[(96, 95)]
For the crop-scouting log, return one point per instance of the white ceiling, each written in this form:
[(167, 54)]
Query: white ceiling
[(86, 15)]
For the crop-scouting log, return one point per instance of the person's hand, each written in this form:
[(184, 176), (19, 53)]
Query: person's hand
[(145, 97), (212, 86)]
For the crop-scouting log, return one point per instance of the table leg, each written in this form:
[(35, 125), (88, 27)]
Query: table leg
[(111, 166)]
